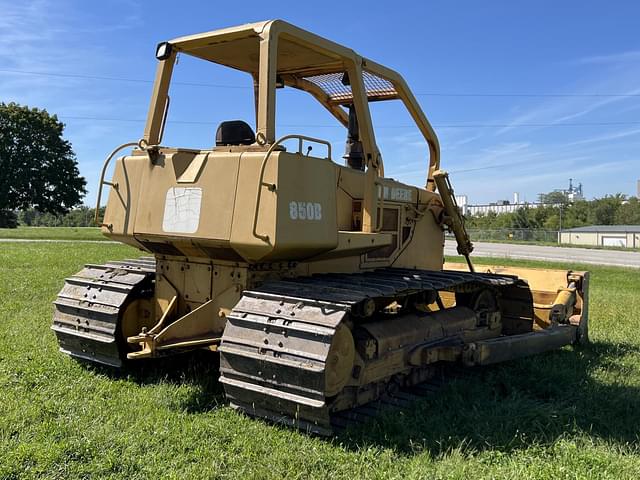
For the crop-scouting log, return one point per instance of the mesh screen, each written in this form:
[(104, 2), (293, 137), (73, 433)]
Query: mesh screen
[(331, 84)]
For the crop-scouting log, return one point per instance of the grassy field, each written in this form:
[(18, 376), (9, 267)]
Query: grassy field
[(567, 414), (53, 233)]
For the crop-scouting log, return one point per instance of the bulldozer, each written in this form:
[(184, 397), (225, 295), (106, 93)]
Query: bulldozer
[(322, 284)]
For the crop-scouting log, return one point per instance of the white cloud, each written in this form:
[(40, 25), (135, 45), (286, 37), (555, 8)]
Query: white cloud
[(621, 57), (606, 137)]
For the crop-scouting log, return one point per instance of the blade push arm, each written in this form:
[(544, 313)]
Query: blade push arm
[(454, 219)]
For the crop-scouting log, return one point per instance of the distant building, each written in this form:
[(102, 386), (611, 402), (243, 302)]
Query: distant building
[(571, 194), (498, 207), (462, 200), (627, 236), (574, 193)]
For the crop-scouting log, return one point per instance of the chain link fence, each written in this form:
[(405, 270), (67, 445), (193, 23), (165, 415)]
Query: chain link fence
[(514, 235)]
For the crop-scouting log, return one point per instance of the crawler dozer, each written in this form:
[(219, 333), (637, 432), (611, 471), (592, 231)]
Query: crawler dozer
[(322, 285)]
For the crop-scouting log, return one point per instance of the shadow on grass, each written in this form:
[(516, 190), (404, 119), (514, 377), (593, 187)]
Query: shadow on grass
[(199, 369), (502, 408), (512, 406)]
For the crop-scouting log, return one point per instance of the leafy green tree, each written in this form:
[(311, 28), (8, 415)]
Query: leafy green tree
[(554, 198), (552, 222), (38, 168), (577, 214), (628, 213), (609, 210), (522, 219), (603, 210)]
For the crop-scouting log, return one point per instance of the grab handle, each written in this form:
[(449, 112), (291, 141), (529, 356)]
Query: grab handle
[(104, 182)]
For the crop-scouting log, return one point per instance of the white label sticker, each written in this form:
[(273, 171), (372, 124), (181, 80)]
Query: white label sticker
[(182, 210), (305, 211)]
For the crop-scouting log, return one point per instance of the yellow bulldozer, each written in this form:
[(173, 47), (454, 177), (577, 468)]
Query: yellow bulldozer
[(321, 285)]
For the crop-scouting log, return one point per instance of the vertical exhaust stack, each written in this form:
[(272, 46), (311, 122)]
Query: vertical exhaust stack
[(353, 153)]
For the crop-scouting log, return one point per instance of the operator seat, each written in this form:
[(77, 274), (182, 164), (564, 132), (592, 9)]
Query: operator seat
[(234, 132)]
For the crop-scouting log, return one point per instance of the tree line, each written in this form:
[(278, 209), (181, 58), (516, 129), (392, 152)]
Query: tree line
[(610, 210), (77, 217)]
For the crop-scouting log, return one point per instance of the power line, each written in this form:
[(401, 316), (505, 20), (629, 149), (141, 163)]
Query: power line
[(118, 79), (451, 125), (487, 167), (425, 94)]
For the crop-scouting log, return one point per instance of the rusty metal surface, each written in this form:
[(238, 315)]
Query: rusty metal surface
[(90, 305)]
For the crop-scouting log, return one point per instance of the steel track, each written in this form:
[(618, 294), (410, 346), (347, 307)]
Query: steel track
[(275, 346), (89, 307)]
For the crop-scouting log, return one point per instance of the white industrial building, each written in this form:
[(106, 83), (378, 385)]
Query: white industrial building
[(627, 236), (571, 194), (501, 206)]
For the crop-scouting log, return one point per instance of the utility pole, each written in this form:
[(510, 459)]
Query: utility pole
[(560, 227)]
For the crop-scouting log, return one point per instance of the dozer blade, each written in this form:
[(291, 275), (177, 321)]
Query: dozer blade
[(559, 296)]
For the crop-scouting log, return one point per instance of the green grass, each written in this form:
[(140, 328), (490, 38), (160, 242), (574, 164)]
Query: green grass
[(53, 233), (574, 413)]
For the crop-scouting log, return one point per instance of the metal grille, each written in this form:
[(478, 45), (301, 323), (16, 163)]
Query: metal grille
[(331, 84)]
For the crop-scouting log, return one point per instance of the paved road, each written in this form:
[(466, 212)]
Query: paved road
[(555, 254)]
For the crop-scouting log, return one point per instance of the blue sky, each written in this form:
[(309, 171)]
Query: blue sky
[(518, 91)]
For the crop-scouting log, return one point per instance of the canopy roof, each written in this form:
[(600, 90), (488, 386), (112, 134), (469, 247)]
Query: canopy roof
[(301, 57), (276, 53)]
